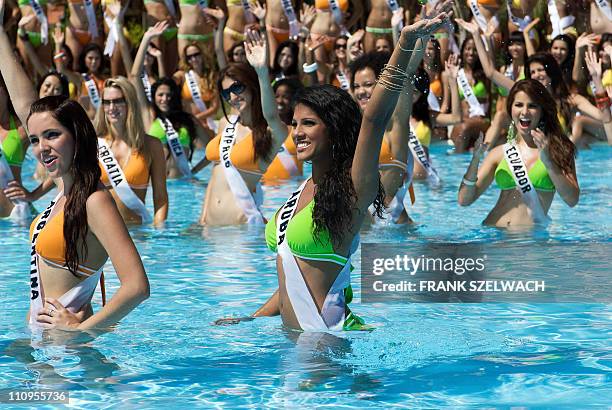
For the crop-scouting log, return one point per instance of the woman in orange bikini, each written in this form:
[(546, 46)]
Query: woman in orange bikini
[(129, 158), (81, 228), (282, 22), (83, 27), (92, 66), (246, 145)]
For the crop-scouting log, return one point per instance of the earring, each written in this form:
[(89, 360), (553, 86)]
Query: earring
[(511, 133)]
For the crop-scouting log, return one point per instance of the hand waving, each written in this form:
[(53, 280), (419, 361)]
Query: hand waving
[(256, 51)]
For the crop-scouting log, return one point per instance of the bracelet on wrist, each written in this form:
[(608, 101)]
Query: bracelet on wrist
[(468, 182), (310, 68)]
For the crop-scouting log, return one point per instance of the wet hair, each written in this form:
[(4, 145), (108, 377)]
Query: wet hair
[(374, 60), (246, 75), (562, 149), (91, 47), (85, 172), (560, 91), (335, 197), (62, 79), (294, 85), (568, 64), (134, 126), (437, 66), (177, 117), (293, 68), (420, 107)]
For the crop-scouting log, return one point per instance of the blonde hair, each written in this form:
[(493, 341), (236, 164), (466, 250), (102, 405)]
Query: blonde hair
[(209, 68), (134, 124)]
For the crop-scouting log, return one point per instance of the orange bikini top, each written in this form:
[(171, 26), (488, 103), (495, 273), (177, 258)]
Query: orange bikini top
[(99, 85), (324, 4), (385, 159), (436, 87), (51, 245), (206, 94), (242, 156), (136, 172)]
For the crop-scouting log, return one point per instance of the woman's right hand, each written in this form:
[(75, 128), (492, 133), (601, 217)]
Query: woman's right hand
[(452, 66), (531, 25), (586, 40), (232, 320), (156, 30), (58, 35), (256, 51), (16, 192)]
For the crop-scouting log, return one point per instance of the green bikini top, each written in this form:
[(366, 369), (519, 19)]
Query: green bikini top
[(537, 174), (301, 240), (158, 131), (12, 148), (480, 90), (22, 3)]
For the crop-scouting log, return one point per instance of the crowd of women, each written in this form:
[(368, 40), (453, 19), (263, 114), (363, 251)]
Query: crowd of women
[(360, 89)]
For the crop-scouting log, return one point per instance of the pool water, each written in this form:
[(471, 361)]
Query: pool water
[(168, 354)]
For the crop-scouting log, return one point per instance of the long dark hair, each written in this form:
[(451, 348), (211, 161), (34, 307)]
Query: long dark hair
[(246, 75), (562, 149), (293, 68), (477, 70), (560, 92), (516, 37), (335, 195), (177, 117), (420, 107), (85, 172), (568, 64), (103, 60)]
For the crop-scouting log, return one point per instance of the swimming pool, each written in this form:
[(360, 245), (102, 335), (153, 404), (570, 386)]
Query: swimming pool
[(167, 353)]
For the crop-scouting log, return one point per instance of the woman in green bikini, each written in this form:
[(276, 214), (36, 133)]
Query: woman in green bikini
[(316, 231), (195, 27), (164, 10), (536, 162)]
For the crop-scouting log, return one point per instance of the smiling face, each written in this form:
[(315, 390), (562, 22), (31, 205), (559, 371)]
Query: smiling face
[(163, 95), (93, 59), (559, 51), (526, 114), (241, 102), (516, 50), (365, 80), (285, 59), (469, 53), (193, 56), (114, 105), (239, 55), (340, 48), (538, 72), (382, 44), (430, 53), (283, 100), (51, 86), (309, 135), (52, 144)]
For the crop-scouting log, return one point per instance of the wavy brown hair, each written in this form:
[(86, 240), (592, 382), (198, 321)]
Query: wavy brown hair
[(562, 149), (85, 172), (246, 75), (335, 195)]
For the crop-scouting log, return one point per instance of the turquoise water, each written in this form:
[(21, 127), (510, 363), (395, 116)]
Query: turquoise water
[(167, 354)]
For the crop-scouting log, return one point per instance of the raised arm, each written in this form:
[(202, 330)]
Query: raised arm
[(449, 77), (58, 59), (477, 179), (256, 52), (29, 48), (364, 171), (18, 84), (602, 111), (115, 9), (220, 17), (578, 72), (529, 46)]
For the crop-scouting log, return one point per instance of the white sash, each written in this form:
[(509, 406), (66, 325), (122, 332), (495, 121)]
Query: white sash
[(92, 91), (337, 13), (119, 182), (241, 192), (521, 23), (555, 20), (419, 153), (248, 14), (176, 148), (395, 207), (294, 26), (21, 209), (194, 89), (304, 307), (170, 6), (344, 82), (37, 297), (288, 160), (42, 19), (523, 183), (113, 35), (394, 6), (92, 24), (146, 84), (476, 108), (604, 6), (433, 102), (509, 71), (480, 19)]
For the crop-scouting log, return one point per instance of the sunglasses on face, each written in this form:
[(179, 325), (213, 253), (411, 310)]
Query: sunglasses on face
[(190, 56), (236, 88), (340, 45), (116, 101)]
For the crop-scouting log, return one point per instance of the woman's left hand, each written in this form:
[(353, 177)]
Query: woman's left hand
[(542, 142), (55, 316), (258, 10), (256, 50)]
